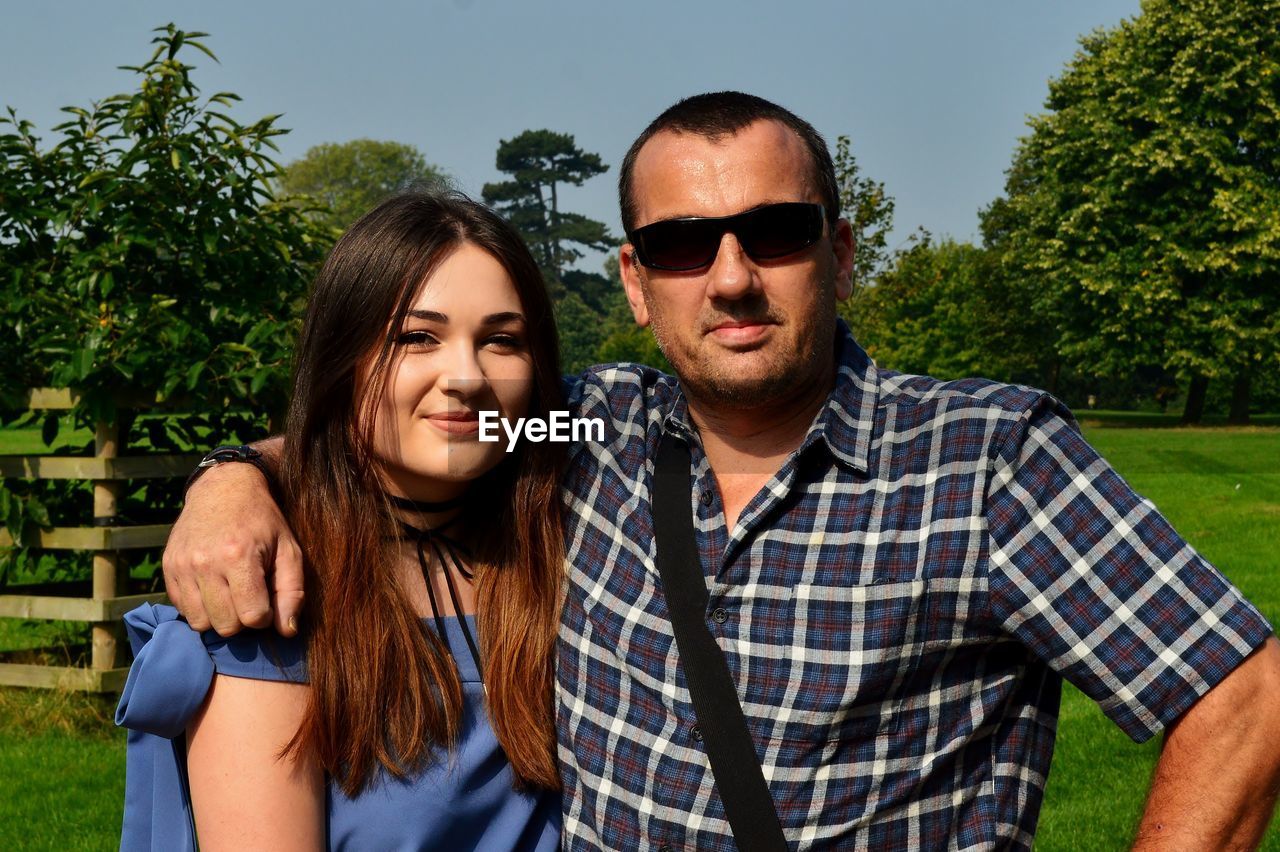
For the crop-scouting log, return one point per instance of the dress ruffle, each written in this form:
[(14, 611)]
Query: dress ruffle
[(169, 678)]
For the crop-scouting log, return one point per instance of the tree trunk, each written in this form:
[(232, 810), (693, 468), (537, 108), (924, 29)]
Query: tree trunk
[(1240, 398), (1195, 399), (545, 243), (553, 231)]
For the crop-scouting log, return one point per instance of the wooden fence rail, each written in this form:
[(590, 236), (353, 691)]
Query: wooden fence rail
[(105, 538)]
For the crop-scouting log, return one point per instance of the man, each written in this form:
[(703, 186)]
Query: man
[(899, 569)]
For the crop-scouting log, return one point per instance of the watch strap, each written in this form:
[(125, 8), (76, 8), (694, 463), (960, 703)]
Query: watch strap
[(231, 453)]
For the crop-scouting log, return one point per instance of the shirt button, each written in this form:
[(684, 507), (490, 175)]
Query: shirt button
[(707, 497), (696, 733), (720, 615)]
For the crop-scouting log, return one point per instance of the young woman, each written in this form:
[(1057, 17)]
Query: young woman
[(417, 713)]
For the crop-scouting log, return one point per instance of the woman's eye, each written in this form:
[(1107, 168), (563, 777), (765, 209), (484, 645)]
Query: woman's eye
[(504, 341), (416, 338)]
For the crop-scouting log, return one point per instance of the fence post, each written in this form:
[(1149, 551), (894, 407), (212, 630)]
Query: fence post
[(107, 580)]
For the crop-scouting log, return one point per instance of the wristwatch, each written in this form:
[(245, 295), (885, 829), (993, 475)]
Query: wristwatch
[(231, 453)]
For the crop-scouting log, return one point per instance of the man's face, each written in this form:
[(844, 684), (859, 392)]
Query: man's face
[(740, 333)]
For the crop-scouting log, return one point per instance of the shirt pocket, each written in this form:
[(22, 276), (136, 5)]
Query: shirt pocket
[(856, 647)]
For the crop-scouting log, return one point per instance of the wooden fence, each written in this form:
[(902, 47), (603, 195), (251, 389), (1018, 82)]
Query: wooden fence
[(108, 469)]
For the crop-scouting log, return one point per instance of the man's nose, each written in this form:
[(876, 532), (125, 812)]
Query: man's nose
[(732, 275)]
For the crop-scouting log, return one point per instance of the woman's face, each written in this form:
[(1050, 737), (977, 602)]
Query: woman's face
[(462, 349)]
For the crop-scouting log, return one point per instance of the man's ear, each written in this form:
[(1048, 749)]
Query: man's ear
[(842, 244), (631, 272)]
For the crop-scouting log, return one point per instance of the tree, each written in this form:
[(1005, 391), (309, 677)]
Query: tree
[(145, 254), (344, 180), (942, 309), (627, 341), (596, 324), (869, 209), (1143, 205), (581, 333), (539, 162)]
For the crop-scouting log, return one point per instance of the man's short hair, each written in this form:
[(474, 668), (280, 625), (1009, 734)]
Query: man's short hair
[(715, 115)]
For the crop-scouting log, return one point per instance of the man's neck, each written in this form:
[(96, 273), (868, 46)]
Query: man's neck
[(745, 447)]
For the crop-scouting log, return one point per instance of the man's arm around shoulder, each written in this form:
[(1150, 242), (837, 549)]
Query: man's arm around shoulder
[(231, 560)]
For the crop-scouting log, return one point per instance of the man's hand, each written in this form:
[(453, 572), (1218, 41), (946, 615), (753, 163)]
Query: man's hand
[(1216, 782), (229, 539)]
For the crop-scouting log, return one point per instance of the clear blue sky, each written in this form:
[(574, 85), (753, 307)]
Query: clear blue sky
[(934, 94)]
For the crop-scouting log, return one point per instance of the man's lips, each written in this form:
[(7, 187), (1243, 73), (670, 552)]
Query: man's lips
[(740, 331)]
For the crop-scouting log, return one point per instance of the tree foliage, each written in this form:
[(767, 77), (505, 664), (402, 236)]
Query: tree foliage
[(596, 325), (345, 180), (1144, 206), (540, 162), (581, 332), (940, 310), (869, 209), (144, 254)]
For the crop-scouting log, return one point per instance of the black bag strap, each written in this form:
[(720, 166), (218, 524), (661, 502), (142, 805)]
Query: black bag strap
[(734, 765)]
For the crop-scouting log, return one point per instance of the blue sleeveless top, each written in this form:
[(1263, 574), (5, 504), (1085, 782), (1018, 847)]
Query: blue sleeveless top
[(462, 800)]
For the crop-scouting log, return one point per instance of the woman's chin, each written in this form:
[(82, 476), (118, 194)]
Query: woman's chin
[(443, 469)]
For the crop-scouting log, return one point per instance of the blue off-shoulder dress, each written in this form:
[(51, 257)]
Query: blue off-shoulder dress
[(464, 800)]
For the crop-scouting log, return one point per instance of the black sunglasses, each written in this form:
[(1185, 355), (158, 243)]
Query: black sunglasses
[(766, 233)]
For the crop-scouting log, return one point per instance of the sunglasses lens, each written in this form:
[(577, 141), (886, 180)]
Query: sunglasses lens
[(678, 244), (776, 230), (779, 229)]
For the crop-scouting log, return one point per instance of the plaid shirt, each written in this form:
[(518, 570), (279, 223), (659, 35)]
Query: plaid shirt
[(897, 606)]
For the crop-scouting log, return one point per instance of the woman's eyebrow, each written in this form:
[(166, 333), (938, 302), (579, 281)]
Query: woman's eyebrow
[(491, 319), (504, 317), (429, 316)]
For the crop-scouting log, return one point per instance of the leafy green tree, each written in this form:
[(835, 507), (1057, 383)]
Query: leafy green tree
[(630, 342), (1020, 336), (145, 250), (581, 332), (540, 162), (940, 309), (869, 209), (621, 339), (144, 254), (598, 292), (596, 325), (1142, 206), (344, 180)]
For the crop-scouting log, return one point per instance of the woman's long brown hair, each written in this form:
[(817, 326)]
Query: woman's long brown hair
[(384, 690)]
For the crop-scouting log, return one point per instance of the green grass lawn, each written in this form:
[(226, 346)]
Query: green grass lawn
[(61, 757), (64, 763), (27, 440)]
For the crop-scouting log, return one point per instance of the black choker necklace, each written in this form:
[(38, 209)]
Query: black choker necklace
[(427, 507), (446, 551)]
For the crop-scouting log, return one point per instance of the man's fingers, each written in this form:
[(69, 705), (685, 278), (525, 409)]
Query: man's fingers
[(172, 584), (247, 582), (286, 586), (215, 594), (182, 583), (186, 598)]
